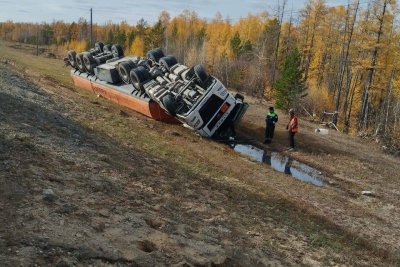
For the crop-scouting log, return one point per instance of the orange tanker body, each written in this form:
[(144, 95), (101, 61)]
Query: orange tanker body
[(123, 95), (159, 87)]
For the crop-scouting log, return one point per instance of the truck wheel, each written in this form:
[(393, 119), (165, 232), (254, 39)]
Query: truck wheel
[(102, 59), (139, 76), (201, 73), (155, 54), (117, 51), (79, 62), (168, 62), (89, 62), (107, 48), (72, 59), (239, 96), (169, 103), (190, 74), (155, 72), (124, 70), (99, 46), (145, 63)]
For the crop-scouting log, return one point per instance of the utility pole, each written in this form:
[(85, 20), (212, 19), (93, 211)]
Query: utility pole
[(91, 27), (37, 40)]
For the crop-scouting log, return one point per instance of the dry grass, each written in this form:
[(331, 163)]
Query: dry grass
[(265, 208), (46, 67)]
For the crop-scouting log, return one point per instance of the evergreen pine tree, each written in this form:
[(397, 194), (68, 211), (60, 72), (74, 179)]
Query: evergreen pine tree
[(236, 44), (290, 85)]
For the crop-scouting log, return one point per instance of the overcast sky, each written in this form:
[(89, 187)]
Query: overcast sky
[(132, 11)]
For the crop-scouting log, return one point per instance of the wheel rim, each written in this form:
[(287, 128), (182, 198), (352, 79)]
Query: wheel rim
[(124, 75)]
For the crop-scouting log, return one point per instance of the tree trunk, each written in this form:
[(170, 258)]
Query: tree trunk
[(277, 41), (381, 129), (344, 64), (364, 116), (308, 57), (352, 92), (306, 35)]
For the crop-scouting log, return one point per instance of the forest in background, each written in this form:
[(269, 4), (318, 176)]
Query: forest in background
[(341, 58)]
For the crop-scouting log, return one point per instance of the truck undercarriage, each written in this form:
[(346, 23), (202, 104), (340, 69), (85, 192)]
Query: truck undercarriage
[(190, 94)]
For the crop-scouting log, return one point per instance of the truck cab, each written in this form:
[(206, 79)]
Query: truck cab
[(198, 100)]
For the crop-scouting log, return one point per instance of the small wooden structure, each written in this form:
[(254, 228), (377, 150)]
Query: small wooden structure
[(333, 116)]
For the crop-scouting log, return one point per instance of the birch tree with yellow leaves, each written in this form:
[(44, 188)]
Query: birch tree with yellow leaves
[(348, 54)]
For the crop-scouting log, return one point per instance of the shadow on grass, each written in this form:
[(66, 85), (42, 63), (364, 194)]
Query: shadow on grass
[(34, 123)]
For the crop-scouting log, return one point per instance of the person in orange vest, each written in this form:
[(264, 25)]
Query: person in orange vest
[(292, 128)]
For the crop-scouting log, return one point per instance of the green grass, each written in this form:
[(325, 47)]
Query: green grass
[(48, 67)]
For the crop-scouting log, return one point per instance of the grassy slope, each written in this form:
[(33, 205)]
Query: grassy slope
[(45, 66), (226, 173)]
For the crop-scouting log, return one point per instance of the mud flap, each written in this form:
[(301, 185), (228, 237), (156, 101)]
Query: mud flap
[(227, 130), (239, 115)]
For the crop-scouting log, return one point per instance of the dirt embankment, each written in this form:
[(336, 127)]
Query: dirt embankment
[(83, 183)]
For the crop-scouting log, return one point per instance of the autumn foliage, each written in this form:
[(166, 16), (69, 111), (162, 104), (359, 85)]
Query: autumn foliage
[(347, 54)]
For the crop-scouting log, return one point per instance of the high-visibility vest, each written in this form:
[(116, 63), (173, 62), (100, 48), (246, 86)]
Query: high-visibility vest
[(293, 126), (271, 118)]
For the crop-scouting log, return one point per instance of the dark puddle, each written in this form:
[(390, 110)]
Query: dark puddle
[(282, 163)]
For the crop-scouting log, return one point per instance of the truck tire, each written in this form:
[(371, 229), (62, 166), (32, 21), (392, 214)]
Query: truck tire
[(89, 62), (107, 48), (145, 63), (72, 59), (190, 74), (168, 62), (99, 46), (169, 103), (117, 51), (112, 60), (102, 59), (155, 54), (79, 62), (201, 73), (139, 76), (93, 52), (239, 96), (155, 72), (124, 70)]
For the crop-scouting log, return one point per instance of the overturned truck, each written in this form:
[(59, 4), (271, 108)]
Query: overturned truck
[(160, 87)]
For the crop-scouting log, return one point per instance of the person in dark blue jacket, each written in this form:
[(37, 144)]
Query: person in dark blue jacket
[(271, 119)]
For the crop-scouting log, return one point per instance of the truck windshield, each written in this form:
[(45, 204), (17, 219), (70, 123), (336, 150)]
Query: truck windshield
[(210, 108)]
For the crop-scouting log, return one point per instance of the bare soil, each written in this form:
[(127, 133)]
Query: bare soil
[(131, 191)]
